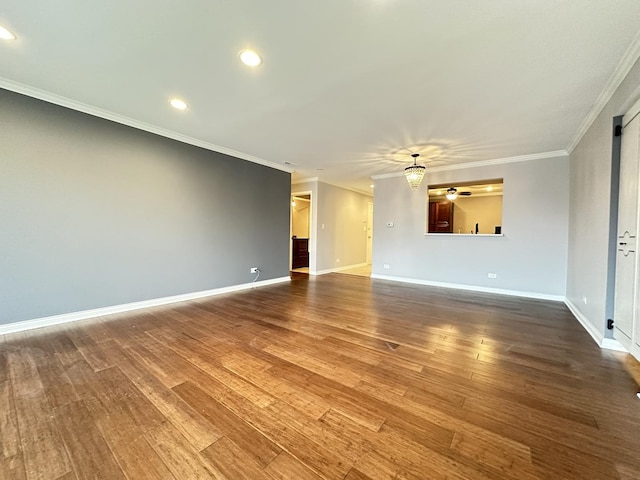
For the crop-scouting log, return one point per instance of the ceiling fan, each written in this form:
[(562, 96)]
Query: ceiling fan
[(452, 193)]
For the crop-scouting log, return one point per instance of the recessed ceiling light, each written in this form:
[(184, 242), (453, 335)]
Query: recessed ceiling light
[(178, 104), (250, 58), (371, 185), (6, 34)]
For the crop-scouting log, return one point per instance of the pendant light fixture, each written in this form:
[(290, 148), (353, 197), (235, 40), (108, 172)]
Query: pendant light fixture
[(452, 193), (414, 173)]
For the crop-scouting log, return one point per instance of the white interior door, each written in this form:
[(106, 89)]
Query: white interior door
[(626, 300)]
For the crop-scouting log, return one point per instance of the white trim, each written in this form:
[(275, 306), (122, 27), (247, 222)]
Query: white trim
[(115, 117), (337, 269), (474, 288), (627, 62), (349, 189), (312, 228), (631, 114), (305, 180), (482, 163), (612, 344), (99, 312), (598, 337), (316, 179)]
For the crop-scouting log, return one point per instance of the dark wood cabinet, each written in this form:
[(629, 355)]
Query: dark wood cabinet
[(300, 254), (441, 217)]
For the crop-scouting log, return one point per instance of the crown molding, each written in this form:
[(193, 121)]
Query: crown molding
[(317, 179), (130, 122), (483, 163), (350, 189), (305, 180), (623, 68), (382, 176)]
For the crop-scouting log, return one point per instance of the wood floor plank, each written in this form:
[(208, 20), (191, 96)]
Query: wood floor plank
[(329, 377), (9, 434), (13, 467), (355, 474), (179, 456), (270, 422), (42, 448), (120, 430), (209, 364), (87, 347), (342, 399), (89, 452), (287, 467), (312, 405), (317, 365), (262, 449), (507, 446), (193, 426), (233, 462)]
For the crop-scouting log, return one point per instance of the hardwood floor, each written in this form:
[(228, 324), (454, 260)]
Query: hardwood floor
[(360, 271), (332, 377)]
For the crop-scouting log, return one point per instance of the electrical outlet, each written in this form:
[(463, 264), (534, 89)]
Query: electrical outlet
[(492, 275), (387, 266), (584, 300), (254, 270)]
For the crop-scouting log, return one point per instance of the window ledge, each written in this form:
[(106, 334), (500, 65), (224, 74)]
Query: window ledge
[(464, 234)]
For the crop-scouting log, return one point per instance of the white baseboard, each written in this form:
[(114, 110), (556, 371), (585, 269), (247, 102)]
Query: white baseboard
[(337, 269), (99, 312), (598, 337), (612, 344), (458, 286)]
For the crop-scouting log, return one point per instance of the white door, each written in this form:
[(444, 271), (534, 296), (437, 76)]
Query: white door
[(626, 258), (369, 234)]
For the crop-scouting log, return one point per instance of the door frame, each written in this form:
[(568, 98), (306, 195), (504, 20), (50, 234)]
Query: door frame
[(312, 227), (369, 254), (620, 123)]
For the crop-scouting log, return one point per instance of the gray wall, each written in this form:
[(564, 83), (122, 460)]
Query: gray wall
[(531, 257), (590, 207), (95, 214)]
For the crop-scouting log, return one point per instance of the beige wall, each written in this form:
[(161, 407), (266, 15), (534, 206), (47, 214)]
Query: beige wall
[(486, 211), (300, 219), (343, 214)]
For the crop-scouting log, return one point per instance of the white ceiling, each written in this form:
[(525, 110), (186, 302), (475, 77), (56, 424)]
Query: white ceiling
[(345, 84)]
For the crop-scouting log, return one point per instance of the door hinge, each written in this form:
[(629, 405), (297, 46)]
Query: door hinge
[(610, 324)]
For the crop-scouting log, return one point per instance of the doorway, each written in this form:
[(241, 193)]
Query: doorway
[(300, 231), (370, 234)]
